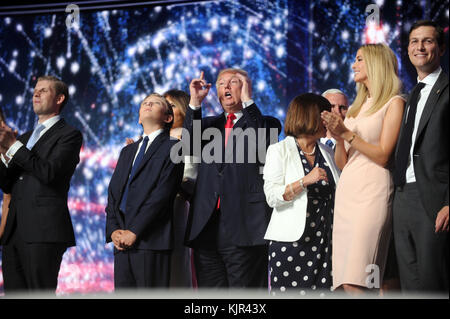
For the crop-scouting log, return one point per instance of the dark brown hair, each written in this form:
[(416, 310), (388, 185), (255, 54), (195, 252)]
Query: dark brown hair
[(303, 115), (180, 99), (2, 116), (428, 23)]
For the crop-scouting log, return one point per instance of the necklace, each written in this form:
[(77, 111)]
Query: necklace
[(309, 154)]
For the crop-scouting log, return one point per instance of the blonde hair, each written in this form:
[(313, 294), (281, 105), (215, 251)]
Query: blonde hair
[(382, 73), (229, 70)]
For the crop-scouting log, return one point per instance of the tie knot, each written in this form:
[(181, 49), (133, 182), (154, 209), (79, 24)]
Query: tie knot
[(231, 117), (39, 128)]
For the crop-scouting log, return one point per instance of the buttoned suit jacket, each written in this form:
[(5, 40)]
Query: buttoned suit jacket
[(431, 152), (39, 182), (152, 190), (236, 177)]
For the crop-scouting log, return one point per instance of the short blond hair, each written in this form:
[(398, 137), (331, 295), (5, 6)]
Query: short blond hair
[(229, 70)]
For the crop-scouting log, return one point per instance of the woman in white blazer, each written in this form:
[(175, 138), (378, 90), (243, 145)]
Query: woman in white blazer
[(299, 183)]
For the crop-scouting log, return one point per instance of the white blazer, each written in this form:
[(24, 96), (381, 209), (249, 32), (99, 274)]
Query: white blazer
[(284, 166)]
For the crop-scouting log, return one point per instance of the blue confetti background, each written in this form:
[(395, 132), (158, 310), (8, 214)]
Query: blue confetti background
[(117, 56)]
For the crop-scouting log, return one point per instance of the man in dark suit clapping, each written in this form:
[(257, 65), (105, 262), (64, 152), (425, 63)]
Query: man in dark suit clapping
[(36, 169)]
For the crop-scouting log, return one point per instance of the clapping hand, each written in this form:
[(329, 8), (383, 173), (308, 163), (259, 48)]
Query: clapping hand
[(7, 137), (334, 124)]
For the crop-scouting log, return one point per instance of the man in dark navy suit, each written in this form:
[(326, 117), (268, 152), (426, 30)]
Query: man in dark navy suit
[(140, 199), (229, 214), (36, 169)]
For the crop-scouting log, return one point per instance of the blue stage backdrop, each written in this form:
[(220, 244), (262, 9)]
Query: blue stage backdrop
[(116, 56)]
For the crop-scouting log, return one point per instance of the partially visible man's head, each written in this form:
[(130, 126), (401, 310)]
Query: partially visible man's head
[(50, 95), (338, 101)]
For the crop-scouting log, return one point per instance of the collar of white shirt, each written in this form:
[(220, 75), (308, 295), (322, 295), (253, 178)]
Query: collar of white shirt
[(151, 137), (431, 78), (239, 114), (49, 123)]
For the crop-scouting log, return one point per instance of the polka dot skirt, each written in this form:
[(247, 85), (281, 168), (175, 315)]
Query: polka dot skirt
[(305, 265)]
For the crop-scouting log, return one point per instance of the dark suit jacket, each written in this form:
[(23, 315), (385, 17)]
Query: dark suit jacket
[(150, 196), (431, 153), (39, 181), (243, 206)]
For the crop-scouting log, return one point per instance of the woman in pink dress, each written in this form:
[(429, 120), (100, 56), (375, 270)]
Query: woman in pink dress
[(366, 140)]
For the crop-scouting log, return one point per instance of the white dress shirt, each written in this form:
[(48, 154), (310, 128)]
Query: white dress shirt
[(151, 138), (18, 144), (429, 81), (237, 114)]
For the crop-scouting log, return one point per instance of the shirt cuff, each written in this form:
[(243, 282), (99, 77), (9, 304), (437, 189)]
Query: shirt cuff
[(13, 149), (195, 108), (247, 103)]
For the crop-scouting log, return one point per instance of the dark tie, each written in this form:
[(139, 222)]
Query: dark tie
[(401, 162), (228, 127), (137, 161), (330, 143)]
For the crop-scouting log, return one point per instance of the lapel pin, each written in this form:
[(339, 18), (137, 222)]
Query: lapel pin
[(437, 92)]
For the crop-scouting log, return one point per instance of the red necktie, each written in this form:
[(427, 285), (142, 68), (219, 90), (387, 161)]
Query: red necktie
[(228, 127)]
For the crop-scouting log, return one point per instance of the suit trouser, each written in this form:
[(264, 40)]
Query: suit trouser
[(135, 268), (31, 266), (423, 255), (218, 263)]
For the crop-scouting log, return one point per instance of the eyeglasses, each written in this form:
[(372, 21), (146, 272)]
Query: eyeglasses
[(343, 108)]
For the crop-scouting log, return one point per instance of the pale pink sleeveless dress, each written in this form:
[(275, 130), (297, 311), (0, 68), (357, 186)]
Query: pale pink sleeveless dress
[(362, 210)]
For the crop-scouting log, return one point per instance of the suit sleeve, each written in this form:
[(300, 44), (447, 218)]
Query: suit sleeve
[(62, 160), (111, 221), (274, 178), (7, 176), (165, 191), (191, 117)]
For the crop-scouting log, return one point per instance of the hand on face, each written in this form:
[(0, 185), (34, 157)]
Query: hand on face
[(246, 89), (198, 89)]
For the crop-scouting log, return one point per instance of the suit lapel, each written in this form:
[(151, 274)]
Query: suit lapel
[(435, 93), (58, 125), (295, 156), (151, 150), (128, 163)]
